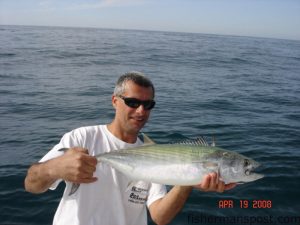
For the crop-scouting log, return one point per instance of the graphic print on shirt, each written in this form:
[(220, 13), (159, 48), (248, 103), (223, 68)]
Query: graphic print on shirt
[(138, 192)]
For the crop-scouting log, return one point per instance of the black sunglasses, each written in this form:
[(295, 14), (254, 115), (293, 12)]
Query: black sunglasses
[(135, 103)]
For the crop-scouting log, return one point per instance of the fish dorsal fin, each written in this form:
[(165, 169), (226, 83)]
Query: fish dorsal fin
[(200, 141), (146, 139)]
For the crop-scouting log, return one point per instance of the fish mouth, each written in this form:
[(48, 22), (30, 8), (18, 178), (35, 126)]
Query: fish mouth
[(248, 172), (251, 174), (250, 169)]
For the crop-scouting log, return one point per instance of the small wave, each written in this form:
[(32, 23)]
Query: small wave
[(7, 54)]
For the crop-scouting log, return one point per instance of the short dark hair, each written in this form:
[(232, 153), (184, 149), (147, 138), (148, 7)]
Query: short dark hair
[(137, 77)]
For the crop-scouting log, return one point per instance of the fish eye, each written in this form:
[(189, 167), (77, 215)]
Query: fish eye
[(246, 163)]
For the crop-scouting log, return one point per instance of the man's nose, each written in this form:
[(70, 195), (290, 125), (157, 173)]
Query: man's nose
[(141, 109)]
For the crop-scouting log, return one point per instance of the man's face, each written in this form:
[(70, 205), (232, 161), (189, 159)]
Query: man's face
[(132, 120)]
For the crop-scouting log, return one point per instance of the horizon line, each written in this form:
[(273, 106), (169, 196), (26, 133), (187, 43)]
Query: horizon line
[(150, 30)]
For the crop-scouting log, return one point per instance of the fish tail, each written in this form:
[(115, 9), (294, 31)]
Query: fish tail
[(74, 188)]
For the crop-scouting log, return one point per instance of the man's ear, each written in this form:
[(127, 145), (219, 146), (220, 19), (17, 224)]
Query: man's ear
[(114, 101)]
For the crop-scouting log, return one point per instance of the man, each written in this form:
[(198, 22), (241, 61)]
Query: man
[(104, 196)]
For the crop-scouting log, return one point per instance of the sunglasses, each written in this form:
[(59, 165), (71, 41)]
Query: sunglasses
[(135, 103)]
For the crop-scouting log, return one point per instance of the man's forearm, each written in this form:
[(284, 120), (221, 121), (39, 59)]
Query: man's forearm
[(74, 166), (39, 177), (164, 210)]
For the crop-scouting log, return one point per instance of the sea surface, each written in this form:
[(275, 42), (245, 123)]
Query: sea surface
[(244, 91)]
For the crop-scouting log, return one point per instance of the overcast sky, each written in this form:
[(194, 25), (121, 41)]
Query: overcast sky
[(260, 18)]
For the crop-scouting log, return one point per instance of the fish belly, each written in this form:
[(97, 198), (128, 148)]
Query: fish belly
[(183, 174), (171, 174)]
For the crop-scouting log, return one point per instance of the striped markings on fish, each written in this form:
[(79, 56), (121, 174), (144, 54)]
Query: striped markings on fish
[(182, 164)]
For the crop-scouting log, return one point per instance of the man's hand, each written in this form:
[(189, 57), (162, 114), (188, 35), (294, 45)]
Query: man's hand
[(212, 183), (76, 166), (163, 210)]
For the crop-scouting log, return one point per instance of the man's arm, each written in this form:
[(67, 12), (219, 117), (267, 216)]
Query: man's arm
[(75, 166), (163, 210)]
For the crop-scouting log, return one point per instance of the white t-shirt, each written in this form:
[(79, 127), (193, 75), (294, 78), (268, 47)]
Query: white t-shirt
[(109, 200)]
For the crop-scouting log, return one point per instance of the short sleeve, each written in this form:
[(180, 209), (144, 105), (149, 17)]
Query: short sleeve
[(156, 192)]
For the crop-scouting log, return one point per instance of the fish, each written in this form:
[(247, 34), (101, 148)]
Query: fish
[(183, 164)]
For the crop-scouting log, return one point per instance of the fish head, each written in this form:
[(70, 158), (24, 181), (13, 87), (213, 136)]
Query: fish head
[(236, 168)]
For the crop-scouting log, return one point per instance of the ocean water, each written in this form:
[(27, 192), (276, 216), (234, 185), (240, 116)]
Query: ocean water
[(244, 91)]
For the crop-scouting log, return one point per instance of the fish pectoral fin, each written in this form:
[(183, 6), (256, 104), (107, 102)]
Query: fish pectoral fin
[(213, 167), (209, 166), (147, 140)]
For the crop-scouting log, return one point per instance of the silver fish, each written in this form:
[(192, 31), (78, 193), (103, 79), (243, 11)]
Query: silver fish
[(182, 164)]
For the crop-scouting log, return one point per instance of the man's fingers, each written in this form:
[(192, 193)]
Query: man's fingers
[(83, 155), (85, 177), (213, 181), (229, 186), (79, 166), (221, 187), (87, 168), (91, 160), (78, 149), (87, 180), (206, 181)]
